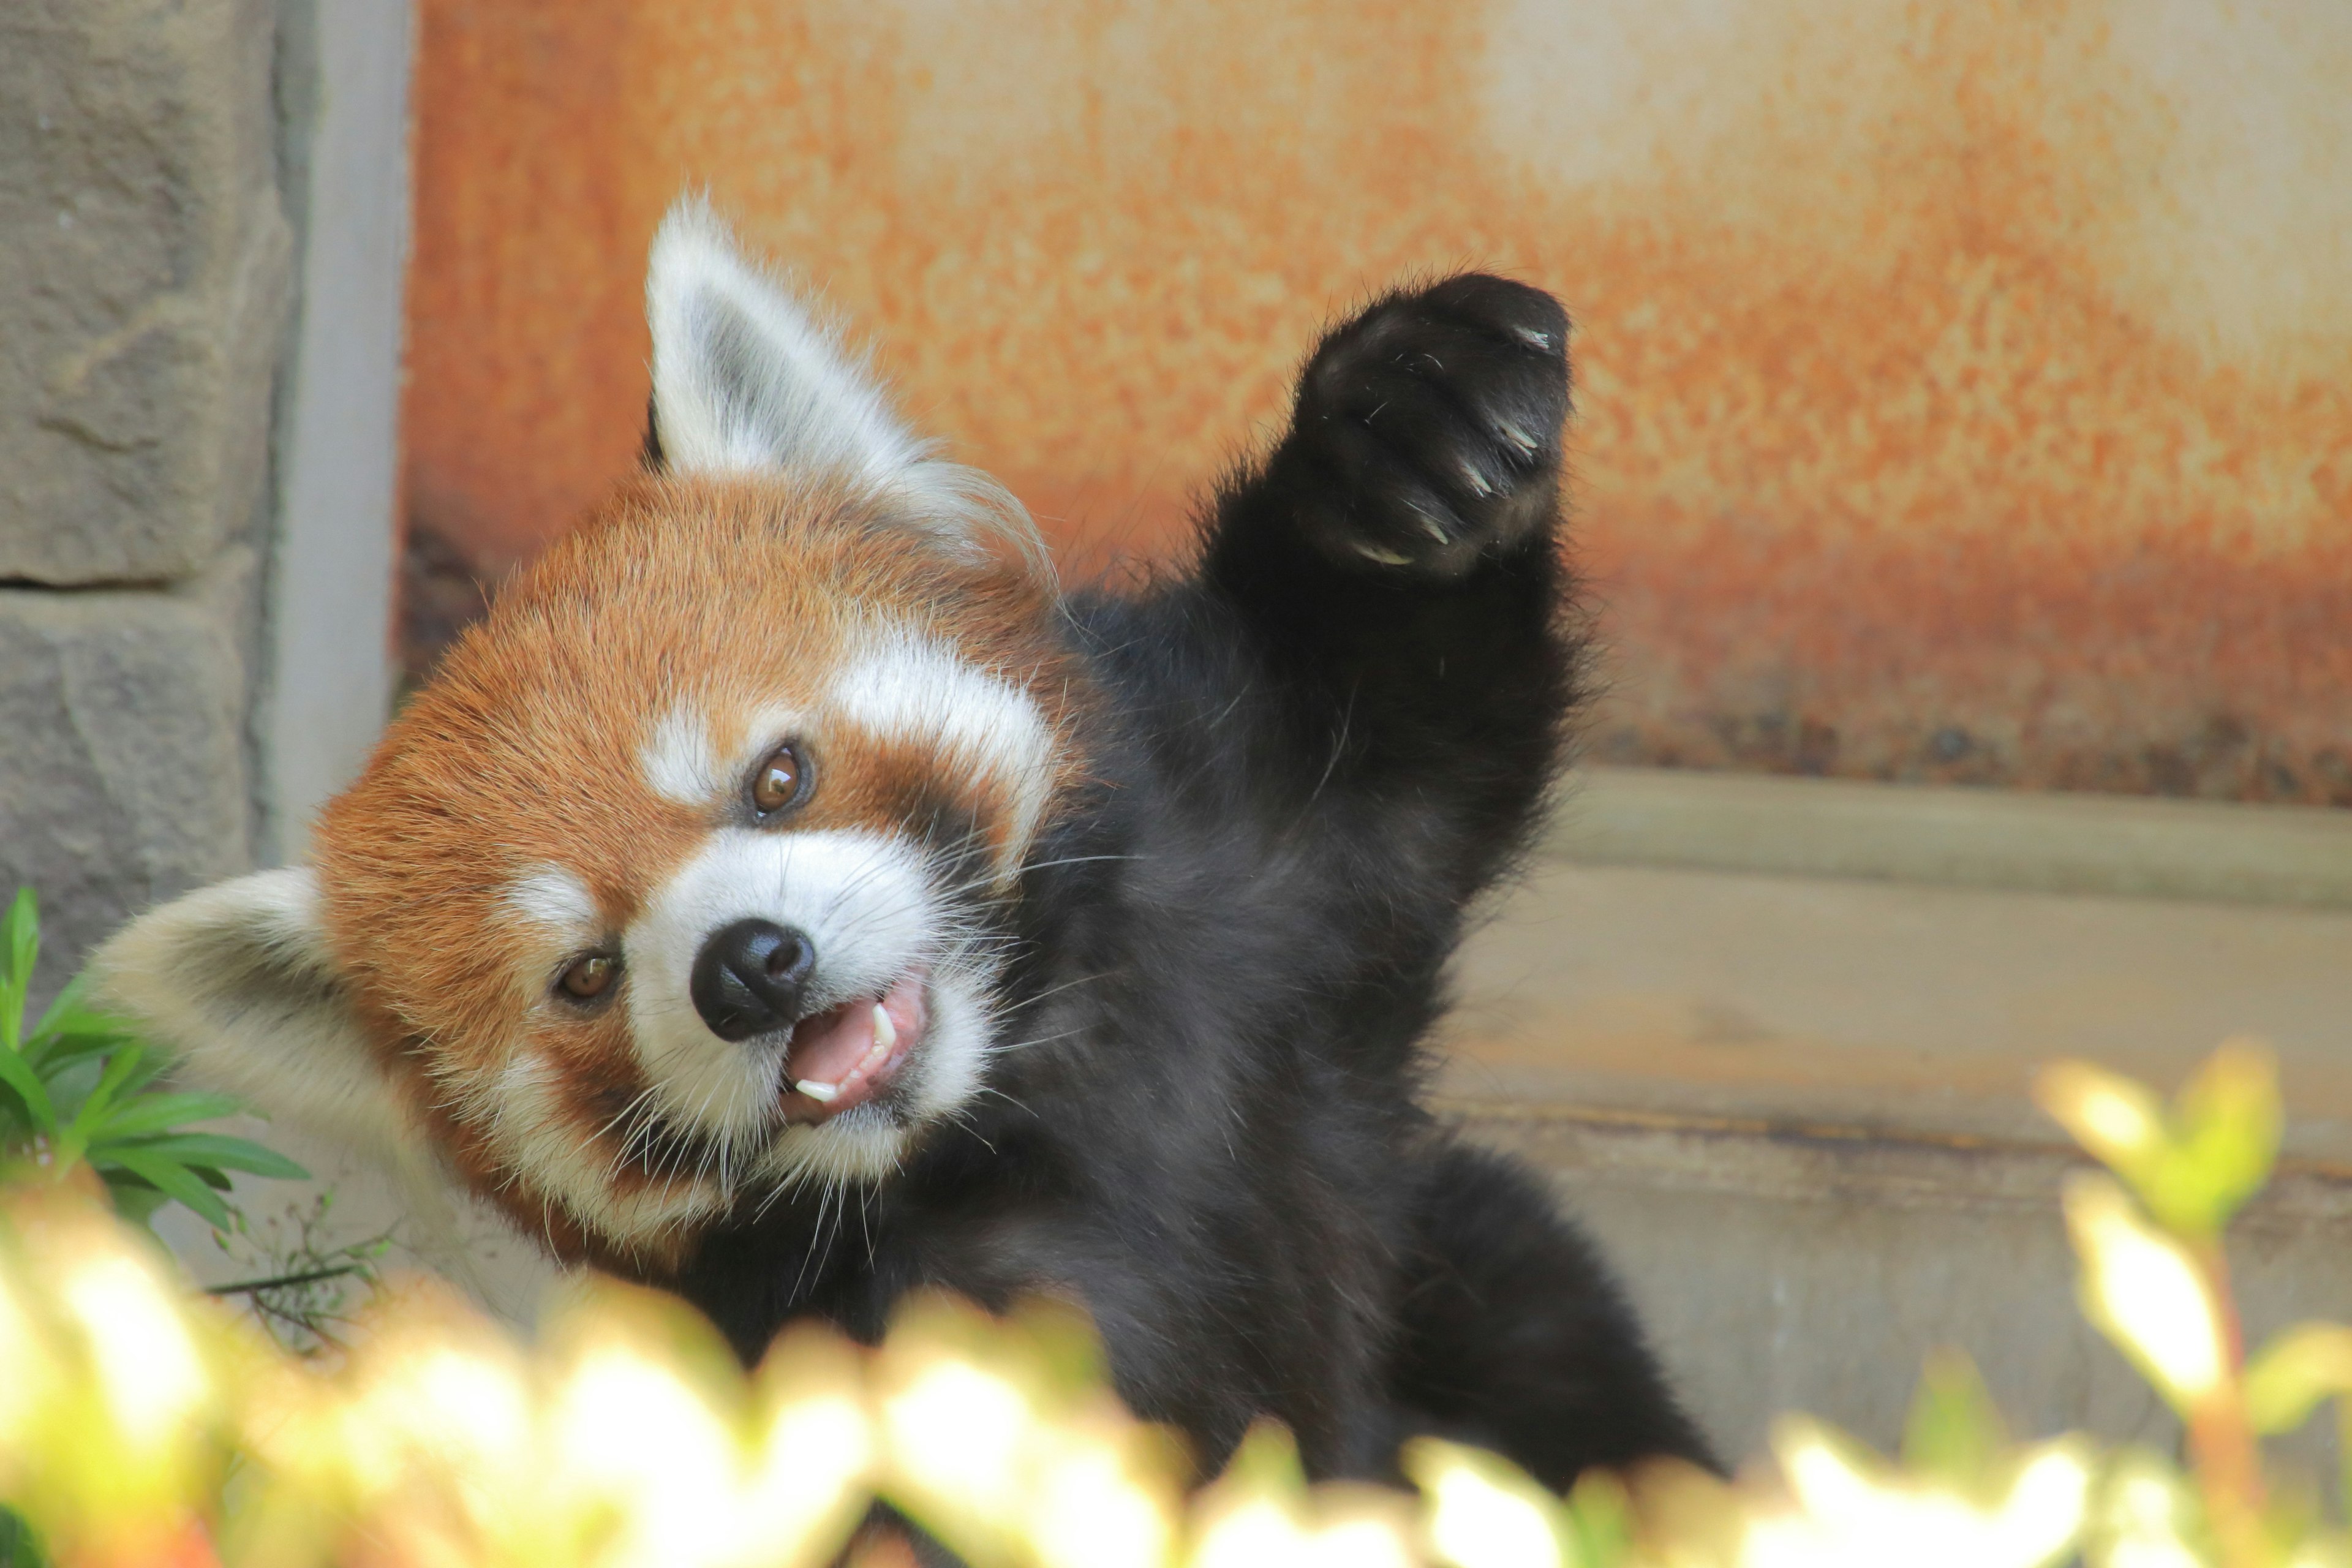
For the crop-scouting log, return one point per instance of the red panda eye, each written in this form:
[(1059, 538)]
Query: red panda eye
[(778, 782), (589, 976)]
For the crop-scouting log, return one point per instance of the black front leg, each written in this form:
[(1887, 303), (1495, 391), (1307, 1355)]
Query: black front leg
[(1396, 558), (1515, 1336), (1424, 441)]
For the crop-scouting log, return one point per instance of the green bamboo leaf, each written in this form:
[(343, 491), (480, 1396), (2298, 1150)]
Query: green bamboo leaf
[(20, 945), (20, 1547), (65, 1006), (18, 1074), (174, 1181), (135, 1198), (60, 1049), (70, 1028), (151, 1066), (157, 1113), (214, 1148), (20, 934), (69, 1086), (120, 1066)]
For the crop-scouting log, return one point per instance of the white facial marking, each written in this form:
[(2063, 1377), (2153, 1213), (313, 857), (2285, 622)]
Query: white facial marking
[(536, 1133), (860, 899), (866, 903), (914, 689), (555, 901), (678, 761)]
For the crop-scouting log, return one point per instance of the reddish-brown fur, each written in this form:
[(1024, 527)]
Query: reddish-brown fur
[(733, 592)]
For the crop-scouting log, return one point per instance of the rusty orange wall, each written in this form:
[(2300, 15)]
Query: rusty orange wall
[(1964, 385)]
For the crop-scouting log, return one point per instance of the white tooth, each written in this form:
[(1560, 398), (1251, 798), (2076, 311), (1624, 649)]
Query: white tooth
[(820, 1093), (885, 1033)]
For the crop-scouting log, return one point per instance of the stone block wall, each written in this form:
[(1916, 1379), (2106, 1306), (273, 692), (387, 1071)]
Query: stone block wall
[(144, 296)]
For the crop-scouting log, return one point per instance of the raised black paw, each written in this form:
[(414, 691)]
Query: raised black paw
[(1426, 431)]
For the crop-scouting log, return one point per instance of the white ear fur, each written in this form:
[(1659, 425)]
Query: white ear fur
[(745, 378), (237, 978)]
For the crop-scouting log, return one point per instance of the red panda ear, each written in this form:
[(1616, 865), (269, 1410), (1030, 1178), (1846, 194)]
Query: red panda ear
[(237, 977), (745, 378)]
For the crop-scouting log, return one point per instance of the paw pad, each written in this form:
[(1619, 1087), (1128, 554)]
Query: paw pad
[(1427, 429)]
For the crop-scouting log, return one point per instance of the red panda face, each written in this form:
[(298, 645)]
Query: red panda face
[(685, 881), (681, 882)]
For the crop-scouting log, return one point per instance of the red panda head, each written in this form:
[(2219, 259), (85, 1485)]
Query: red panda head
[(683, 882)]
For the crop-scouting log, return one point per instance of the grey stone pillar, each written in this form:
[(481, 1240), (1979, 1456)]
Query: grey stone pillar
[(343, 75), (163, 399)]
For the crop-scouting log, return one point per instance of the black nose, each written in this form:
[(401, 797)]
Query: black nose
[(748, 978)]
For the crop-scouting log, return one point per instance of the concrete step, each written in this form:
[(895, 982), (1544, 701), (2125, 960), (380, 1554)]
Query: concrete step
[(1944, 833), (1794, 1109), (1781, 1270), (1891, 1006)]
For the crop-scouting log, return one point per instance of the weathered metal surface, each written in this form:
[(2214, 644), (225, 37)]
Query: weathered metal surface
[(1963, 385)]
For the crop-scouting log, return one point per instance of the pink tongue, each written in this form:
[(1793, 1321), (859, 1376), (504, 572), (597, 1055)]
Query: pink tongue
[(828, 1047)]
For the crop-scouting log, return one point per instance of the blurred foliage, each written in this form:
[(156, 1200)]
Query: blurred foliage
[(76, 1087), (143, 1423), (295, 1277)]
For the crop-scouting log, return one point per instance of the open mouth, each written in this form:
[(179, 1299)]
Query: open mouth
[(843, 1057)]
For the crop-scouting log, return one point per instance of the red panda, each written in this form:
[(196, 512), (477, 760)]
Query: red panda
[(788, 896)]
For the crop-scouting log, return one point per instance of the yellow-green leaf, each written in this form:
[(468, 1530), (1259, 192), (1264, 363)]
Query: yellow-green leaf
[(1954, 1433), (1480, 1511), (2146, 1292), (2289, 1376), (2119, 1121), (2227, 1124)]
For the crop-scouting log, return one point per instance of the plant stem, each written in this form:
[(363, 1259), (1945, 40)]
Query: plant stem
[(307, 1277), (2344, 1450), (2228, 1462)]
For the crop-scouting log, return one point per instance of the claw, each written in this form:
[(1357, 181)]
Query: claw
[(1534, 338), (1385, 557)]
